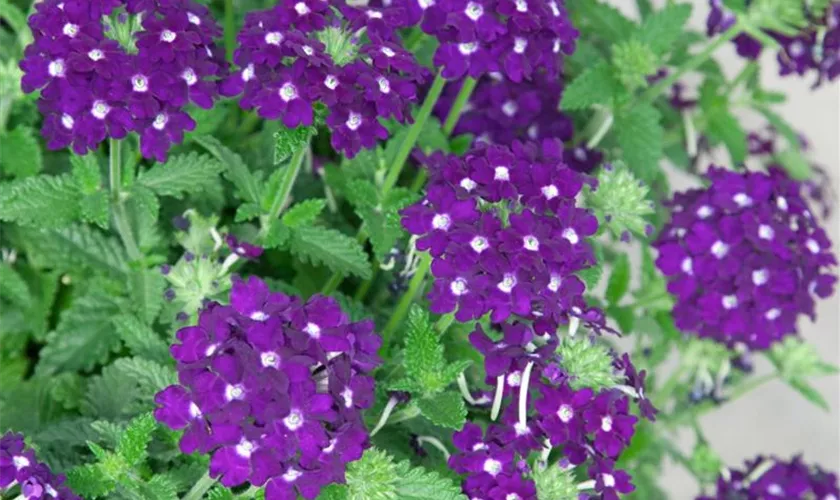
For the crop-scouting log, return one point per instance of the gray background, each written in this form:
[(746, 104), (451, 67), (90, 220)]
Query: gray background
[(775, 419)]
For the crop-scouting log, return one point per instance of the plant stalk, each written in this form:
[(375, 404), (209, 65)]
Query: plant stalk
[(405, 302), (281, 197), (200, 488), (120, 219)]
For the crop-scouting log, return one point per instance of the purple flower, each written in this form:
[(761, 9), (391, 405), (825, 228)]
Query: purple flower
[(609, 482), (608, 419), (18, 464), (744, 258), (562, 412), (243, 249), (772, 477), (272, 388)]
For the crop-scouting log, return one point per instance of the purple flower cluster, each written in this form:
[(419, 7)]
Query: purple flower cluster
[(590, 428), (744, 258), (514, 37), (92, 88), (297, 54), (816, 48), (505, 235), (19, 466), (273, 387), (501, 110), (771, 477)]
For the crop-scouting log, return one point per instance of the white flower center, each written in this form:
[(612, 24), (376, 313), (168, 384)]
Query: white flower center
[(550, 192), (294, 420), (782, 203), (775, 489), (609, 480), (354, 121), (479, 244), (531, 243), (195, 412), (308, 50), (519, 45), (291, 475), (70, 29), (258, 316), (468, 184), (554, 282), (492, 467), (189, 76), (374, 14), (720, 249), (796, 49), (56, 68), (507, 283), (766, 232), (270, 359), (248, 73), (51, 491), (211, 349), (467, 48), (442, 222), (554, 10), (729, 302), (330, 447), (509, 108), (474, 11), (384, 85), (244, 448), (565, 413), (100, 110), (425, 4), (160, 121), (193, 19), (514, 379), (312, 330), (387, 51), (331, 82), (139, 83), (347, 396), (273, 38), (705, 211), (479, 447), (168, 36), (773, 314), (606, 423), (687, 265), (459, 287), (571, 235), (234, 392), (812, 245), (288, 92), (759, 277), (20, 462), (742, 200), (96, 55), (521, 6), (67, 121), (501, 173), (301, 8)]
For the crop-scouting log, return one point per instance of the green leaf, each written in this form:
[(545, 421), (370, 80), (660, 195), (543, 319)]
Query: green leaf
[(634, 61), (146, 291), (20, 153), (334, 492), (423, 350), (89, 481), (182, 174), (220, 493), (304, 213), (15, 18), (809, 392), (589, 364), (149, 377), (601, 21), (80, 246), (794, 164), (96, 209), (596, 85), (288, 140), (591, 276), (278, 234), (417, 483), (247, 211), (620, 201), (86, 172), (381, 217), (236, 170), (724, 127), (14, 287), (376, 477), (328, 247), (619, 279), (446, 409), (639, 135), (44, 201), (136, 438), (140, 339), (662, 29)]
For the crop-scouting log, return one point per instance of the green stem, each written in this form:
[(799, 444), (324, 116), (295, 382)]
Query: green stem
[(653, 92), (413, 133), (200, 488), (281, 197), (444, 322), (460, 101), (230, 29), (405, 301), (117, 207), (745, 74)]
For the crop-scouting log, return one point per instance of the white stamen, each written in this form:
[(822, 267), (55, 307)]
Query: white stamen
[(507, 284), (288, 92), (554, 10), (354, 121), (168, 36), (70, 30), (193, 19), (96, 55), (531, 243), (468, 184), (211, 350), (195, 412), (565, 413), (374, 14), (521, 5), (56, 68), (189, 76), (67, 121), (606, 423), (687, 265), (312, 330), (479, 244), (291, 475), (812, 245), (773, 314), (501, 173), (20, 462), (270, 359), (705, 211), (160, 121), (347, 396), (273, 38), (729, 302), (571, 235), (759, 277), (492, 467), (720, 249), (467, 48), (294, 420), (442, 222), (100, 109), (459, 287), (514, 379), (258, 316), (139, 83), (384, 85), (766, 232), (234, 392), (245, 448), (554, 282), (550, 192), (509, 108), (387, 51), (782, 203), (474, 11), (248, 73), (609, 480), (519, 45), (742, 200), (302, 9), (331, 82)]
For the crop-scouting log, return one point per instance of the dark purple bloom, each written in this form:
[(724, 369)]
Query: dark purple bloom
[(608, 419), (562, 412), (243, 249), (775, 478), (18, 464), (609, 482)]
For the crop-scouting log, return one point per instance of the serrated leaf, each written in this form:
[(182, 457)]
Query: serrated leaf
[(86, 172), (724, 127), (423, 350), (288, 140), (446, 409), (596, 85), (452, 370), (14, 287), (334, 492), (80, 246), (84, 336), (140, 339), (619, 279), (591, 276), (136, 438), (662, 28), (89, 481), (221, 493), (634, 60), (96, 209), (328, 247), (149, 376), (639, 134), (236, 171), (601, 20), (181, 174), (20, 153), (159, 487), (809, 392), (247, 211), (278, 234), (44, 201), (146, 291), (303, 213), (417, 483)]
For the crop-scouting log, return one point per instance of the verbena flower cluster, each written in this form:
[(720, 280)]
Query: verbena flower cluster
[(744, 258), (548, 409), (815, 48), (297, 54), (273, 388), (19, 466), (94, 88), (771, 477), (505, 235)]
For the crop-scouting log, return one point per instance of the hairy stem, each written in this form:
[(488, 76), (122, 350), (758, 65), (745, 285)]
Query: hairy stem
[(457, 107), (121, 223), (434, 442), (200, 488), (281, 197), (230, 30), (405, 302)]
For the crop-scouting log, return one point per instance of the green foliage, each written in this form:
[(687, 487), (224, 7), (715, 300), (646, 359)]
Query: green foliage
[(796, 361), (43, 201), (381, 215), (722, 126), (140, 339), (181, 174), (705, 463), (446, 409), (555, 483), (303, 213), (623, 198), (376, 477), (639, 134), (20, 154), (590, 363), (596, 85), (288, 140), (664, 27), (619, 279), (634, 61), (601, 21), (328, 247), (135, 440), (236, 170), (79, 247)]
